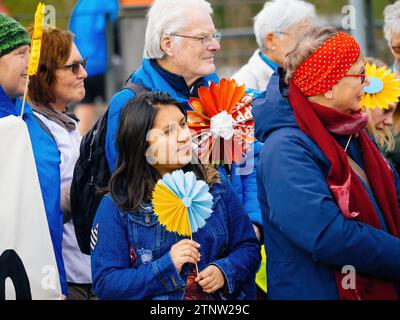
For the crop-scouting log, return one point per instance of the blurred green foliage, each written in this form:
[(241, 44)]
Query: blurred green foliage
[(24, 10)]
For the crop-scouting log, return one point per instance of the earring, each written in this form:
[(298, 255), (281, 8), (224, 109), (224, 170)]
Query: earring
[(273, 48)]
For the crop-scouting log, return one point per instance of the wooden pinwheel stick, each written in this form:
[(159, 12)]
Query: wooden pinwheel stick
[(191, 238), (197, 268), (25, 94)]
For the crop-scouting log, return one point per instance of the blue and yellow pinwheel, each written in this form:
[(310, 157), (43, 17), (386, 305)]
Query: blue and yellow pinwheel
[(182, 203)]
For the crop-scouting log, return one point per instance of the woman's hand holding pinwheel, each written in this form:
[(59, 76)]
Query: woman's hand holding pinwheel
[(183, 252)]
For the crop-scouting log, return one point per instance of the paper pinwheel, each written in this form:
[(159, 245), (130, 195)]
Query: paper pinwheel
[(182, 203), (384, 89), (222, 121), (36, 45)]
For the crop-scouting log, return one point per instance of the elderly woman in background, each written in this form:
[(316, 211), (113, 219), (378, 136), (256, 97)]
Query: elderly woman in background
[(276, 28), (343, 214), (58, 83), (392, 32)]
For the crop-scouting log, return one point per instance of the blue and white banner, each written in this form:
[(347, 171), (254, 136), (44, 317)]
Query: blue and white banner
[(28, 268)]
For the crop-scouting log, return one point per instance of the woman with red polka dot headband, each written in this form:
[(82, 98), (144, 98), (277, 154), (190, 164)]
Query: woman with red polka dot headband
[(328, 197)]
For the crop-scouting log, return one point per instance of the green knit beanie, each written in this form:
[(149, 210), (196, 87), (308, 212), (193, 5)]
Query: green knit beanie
[(12, 35)]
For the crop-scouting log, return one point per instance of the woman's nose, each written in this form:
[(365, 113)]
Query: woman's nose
[(82, 72), (388, 121), (184, 134)]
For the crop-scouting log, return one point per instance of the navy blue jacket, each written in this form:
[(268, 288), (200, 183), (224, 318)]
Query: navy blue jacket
[(227, 241), (305, 233)]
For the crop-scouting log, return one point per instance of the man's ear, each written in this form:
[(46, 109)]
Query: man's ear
[(269, 41), (167, 44)]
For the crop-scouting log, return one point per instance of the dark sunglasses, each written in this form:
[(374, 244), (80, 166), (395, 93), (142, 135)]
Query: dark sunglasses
[(76, 65)]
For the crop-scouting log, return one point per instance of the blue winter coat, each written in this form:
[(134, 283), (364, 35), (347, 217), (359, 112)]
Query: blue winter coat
[(244, 182), (131, 259), (305, 233), (47, 158)]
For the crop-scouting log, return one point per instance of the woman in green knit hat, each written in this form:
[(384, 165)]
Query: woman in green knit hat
[(14, 58), (14, 55)]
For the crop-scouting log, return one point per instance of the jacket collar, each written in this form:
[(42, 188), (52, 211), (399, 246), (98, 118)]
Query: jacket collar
[(7, 106), (177, 82), (274, 66), (149, 77)]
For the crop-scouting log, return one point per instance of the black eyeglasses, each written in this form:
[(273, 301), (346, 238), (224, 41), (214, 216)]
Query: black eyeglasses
[(204, 39), (76, 65)]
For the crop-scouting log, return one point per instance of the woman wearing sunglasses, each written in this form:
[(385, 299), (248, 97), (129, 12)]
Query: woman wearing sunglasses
[(59, 83)]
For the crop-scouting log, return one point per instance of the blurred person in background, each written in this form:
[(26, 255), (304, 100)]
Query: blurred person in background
[(276, 27), (392, 34), (391, 30), (88, 23), (383, 123)]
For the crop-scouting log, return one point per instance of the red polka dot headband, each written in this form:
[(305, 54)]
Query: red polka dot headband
[(327, 65)]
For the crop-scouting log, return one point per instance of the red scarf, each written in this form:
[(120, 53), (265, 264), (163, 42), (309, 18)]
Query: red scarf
[(348, 191)]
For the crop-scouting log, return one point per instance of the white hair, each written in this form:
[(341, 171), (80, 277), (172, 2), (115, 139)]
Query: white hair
[(166, 17), (279, 16), (392, 20)]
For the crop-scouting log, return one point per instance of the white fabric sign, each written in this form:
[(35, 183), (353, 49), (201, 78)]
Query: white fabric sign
[(28, 268)]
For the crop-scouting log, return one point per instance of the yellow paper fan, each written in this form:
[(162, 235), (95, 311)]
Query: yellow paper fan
[(171, 211), (384, 88)]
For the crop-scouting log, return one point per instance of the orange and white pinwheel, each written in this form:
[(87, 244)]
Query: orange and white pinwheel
[(222, 122)]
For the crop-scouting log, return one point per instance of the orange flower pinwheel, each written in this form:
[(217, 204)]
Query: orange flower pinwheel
[(222, 121)]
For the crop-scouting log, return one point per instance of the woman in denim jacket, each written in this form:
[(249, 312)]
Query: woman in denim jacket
[(133, 256)]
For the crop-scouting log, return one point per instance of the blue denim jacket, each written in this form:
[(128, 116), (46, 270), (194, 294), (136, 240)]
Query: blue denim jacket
[(131, 259)]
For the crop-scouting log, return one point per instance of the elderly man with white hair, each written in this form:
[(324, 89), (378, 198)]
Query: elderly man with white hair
[(392, 32), (276, 28), (180, 44)]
